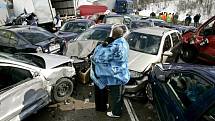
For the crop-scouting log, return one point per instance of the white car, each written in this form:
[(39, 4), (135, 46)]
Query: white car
[(29, 82), (149, 46)]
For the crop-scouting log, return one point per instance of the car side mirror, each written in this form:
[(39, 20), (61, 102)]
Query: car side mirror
[(168, 53), (161, 77)]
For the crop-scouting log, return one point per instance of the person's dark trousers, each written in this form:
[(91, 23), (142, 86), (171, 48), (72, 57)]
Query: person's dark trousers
[(116, 92), (101, 99)]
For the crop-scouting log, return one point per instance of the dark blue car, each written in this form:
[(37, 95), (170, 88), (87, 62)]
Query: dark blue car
[(71, 29), (183, 92), (31, 39)]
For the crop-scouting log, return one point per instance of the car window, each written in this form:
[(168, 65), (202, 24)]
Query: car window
[(188, 87), (76, 27), (94, 34), (167, 43), (4, 37), (146, 43), (209, 29), (35, 36), (139, 24), (11, 76), (175, 38), (114, 20), (132, 40)]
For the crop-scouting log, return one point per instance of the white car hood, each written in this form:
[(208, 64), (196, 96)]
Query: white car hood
[(138, 61), (53, 60)]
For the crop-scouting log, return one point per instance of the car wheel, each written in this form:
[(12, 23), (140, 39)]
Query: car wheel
[(62, 90), (188, 53), (149, 92)]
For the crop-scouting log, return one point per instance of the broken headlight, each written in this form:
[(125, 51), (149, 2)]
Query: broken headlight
[(135, 74)]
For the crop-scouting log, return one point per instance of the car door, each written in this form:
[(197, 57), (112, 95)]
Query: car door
[(187, 89), (207, 33), (21, 92), (167, 46), (165, 104)]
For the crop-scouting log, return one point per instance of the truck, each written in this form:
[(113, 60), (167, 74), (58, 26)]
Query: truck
[(118, 6), (44, 9), (4, 12), (124, 6)]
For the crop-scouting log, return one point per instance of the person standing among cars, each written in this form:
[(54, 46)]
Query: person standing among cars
[(196, 20), (175, 18), (188, 20), (110, 68), (57, 21)]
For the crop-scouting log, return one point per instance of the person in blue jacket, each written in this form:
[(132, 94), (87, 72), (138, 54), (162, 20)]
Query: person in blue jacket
[(110, 68)]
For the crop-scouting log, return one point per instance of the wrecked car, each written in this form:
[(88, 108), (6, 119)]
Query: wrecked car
[(71, 29), (200, 44), (29, 82), (83, 46), (148, 46), (29, 39), (183, 92)]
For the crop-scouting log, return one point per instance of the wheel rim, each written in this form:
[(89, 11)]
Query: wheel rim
[(149, 93), (63, 89)]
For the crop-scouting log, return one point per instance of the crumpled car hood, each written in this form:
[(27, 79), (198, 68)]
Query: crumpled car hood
[(53, 60), (138, 61), (67, 34), (55, 74), (81, 49)]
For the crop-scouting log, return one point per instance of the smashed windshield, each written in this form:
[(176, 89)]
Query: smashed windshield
[(139, 24), (94, 34), (145, 43), (35, 37), (76, 27), (114, 20)]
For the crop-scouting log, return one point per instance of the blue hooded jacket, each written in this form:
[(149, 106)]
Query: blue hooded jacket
[(110, 64)]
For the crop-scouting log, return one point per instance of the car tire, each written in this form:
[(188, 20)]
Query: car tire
[(149, 93), (62, 90), (188, 53)]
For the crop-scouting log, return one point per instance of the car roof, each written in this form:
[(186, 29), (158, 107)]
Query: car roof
[(80, 20), (108, 26), (114, 15), (158, 31), (20, 28), (141, 21), (204, 69), (154, 19)]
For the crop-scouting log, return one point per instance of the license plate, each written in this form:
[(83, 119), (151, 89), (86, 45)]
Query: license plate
[(54, 47)]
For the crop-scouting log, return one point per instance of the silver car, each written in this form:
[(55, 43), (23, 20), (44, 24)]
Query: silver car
[(29, 82), (148, 46)]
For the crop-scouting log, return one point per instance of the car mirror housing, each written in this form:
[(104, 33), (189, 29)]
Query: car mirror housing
[(167, 53)]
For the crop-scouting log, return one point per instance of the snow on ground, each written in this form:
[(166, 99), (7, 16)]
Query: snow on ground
[(182, 7)]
